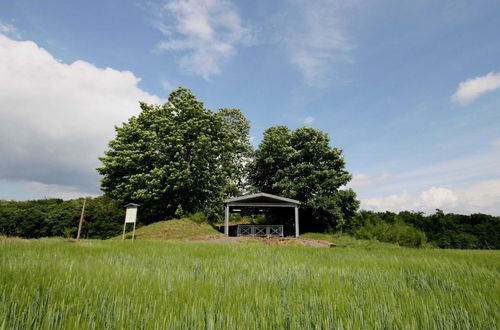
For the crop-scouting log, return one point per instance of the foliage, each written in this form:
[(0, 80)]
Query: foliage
[(399, 233), (178, 158), (55, 217), (301, 165), (199, 217), (475, 231), (52, 284)]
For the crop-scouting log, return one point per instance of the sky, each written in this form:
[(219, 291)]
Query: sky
[(409, 90)]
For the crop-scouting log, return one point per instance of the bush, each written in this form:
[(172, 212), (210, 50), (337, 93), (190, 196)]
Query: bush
[(199, 217), (452, 231), (398, 232)]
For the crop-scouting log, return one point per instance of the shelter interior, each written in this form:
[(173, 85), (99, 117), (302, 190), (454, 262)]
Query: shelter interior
[(261, 214)]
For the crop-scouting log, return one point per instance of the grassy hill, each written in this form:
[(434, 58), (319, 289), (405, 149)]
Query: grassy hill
[(173, 230), (186, 229)]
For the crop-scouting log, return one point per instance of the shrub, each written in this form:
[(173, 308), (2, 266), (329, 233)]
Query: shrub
[(398, 232), (199, 217)]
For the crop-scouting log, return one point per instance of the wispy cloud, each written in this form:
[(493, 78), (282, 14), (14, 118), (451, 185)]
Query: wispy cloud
[(9, 30), (471, 89), (58, 191), (362, 180), (474, 167), (495, 142), (166, 85), (205, 33), (309, 120), (317, 41), (470, 183)]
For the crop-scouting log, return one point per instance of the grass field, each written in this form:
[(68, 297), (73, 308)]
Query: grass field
[(54, 284)]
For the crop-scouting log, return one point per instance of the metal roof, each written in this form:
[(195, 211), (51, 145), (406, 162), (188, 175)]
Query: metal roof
[(131, 204), (259, 195)]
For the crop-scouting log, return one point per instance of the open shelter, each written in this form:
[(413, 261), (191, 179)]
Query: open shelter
[(263, 200)]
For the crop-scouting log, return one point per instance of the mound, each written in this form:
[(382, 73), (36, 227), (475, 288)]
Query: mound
[(173, 230)]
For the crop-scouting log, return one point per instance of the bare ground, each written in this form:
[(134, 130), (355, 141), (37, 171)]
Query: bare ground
[(219, 239)]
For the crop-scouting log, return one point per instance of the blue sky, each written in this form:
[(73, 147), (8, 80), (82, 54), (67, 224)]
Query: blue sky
[(409, 90)]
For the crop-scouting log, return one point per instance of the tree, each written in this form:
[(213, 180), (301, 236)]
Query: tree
[(177, 156), (55, 217), (301, 164)]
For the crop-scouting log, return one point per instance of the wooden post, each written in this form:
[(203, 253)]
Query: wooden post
[(81, 220), (296, 221), (133, 232), (124, 225), (226, 221)]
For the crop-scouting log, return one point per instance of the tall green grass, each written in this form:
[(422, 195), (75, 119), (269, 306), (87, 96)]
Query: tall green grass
[(54, 284)]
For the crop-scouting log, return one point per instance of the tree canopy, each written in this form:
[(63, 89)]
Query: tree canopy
[(301, 164), (177, 158), (55, 217)]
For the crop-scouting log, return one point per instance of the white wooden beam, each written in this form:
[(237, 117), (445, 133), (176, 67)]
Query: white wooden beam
[(296, 221), (261, 204), (226, 221)]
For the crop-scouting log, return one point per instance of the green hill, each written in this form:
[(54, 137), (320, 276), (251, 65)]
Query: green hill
[(173, 230)]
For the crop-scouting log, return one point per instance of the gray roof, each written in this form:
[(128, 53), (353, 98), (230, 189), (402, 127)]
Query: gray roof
[(131, 204), (261, 196)]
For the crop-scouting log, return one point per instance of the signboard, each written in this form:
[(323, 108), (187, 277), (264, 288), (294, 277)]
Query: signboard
[(131, 215)]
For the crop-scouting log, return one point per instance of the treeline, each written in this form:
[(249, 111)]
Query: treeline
[(456, 231), (104, 218), (56, 217)]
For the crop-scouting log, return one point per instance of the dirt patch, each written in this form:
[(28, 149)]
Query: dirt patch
[(213, 239), (290, 241)]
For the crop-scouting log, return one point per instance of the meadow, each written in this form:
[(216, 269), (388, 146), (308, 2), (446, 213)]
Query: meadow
[(56, 284)]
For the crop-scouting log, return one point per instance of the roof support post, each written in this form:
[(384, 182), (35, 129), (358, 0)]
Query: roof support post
[(296, 221), (226, 221)]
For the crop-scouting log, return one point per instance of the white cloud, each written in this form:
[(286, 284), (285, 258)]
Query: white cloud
[(309, 120), (362, 180), (471, 89), (395, 202), (316, 39), (56, 118), (438, 197), (10, 30), (480, 197), (206, 32)]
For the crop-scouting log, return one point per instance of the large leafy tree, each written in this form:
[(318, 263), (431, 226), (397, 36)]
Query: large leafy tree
[(302, 165), (177, 158)]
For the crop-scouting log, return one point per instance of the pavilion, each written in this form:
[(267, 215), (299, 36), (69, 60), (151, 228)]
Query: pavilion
[(263, 200)]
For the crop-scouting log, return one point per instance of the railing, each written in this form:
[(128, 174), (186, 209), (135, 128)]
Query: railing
[(260, 230)]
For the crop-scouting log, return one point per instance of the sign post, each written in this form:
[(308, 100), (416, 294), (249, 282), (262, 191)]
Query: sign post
[(130, 217), (81, 220)]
